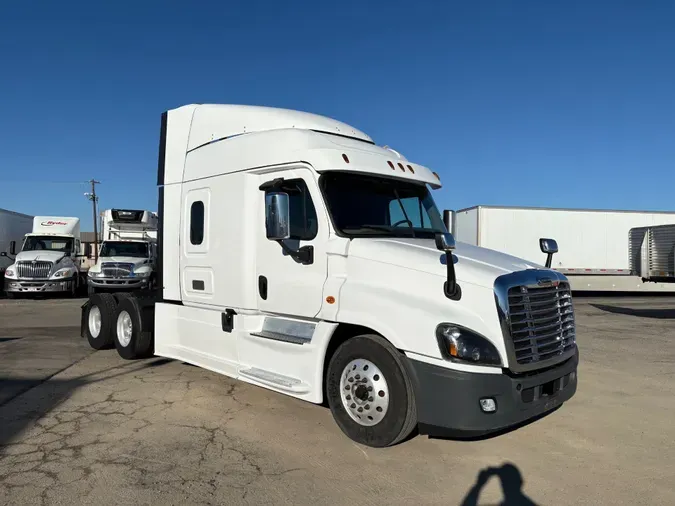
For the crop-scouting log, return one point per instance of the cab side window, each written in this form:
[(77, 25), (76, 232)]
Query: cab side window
[(303, 222)]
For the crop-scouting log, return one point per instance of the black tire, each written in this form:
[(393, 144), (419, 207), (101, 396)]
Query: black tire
[(106, 305), (401, 415), (140, 342)]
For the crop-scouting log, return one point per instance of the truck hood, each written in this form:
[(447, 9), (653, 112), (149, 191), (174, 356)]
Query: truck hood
[(136, 261), (42, 255), (475, 265)]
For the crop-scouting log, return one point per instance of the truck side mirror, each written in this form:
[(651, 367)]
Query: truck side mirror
[(12, 248), (445, 242), (549, 247), (87, 250), (277, 216)]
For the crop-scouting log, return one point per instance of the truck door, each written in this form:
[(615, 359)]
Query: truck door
[(285, 285)]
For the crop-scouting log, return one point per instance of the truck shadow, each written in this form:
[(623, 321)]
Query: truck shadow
[(664, 314), (512, 486)]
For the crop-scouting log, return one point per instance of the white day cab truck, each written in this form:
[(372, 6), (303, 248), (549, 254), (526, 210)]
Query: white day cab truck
[(126, 260), (51, 259), (296, 255), (13, 227)]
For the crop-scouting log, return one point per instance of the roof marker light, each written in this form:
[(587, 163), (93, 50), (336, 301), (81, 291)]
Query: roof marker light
[(391, 165), (400, 166), (437, 176), (411, 169), (345, 158)]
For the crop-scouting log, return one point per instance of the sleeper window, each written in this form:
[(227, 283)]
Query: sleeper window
[(197, 222)]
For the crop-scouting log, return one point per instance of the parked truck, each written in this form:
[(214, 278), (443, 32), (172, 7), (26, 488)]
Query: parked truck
[(13, 227), (297, 255), (652, 253), (51, 259), (126, 260)]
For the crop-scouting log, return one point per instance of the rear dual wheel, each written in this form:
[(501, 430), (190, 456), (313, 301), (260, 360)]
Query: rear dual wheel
[(118, 321), (132, 336)]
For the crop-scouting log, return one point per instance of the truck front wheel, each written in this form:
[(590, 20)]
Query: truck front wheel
[(369, 392)]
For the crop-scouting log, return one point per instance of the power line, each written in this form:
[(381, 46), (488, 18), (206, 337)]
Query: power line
[(94, 200)]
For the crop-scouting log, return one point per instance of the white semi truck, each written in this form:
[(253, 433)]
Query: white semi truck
[(297, 255), (126, 260), (13, 227), (51, 259)]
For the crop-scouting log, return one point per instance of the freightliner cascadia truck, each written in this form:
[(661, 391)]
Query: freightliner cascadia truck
[(297, 255)]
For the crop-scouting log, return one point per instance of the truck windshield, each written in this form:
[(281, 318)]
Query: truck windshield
[(124, 249), (49, 243), (366, 206)]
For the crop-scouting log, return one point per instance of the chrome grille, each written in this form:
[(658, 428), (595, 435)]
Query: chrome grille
[(39, 269), (541, 322), (116, 270)]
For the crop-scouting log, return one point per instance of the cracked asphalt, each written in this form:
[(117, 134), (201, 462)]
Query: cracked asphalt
[(83, 427)]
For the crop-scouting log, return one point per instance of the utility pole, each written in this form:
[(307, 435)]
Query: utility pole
[(94, 200)]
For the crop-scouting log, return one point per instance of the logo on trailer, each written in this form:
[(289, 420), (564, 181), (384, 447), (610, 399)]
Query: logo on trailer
[(50, 223)]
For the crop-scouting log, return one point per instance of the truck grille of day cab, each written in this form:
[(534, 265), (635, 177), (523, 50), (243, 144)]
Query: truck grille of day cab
[(39, 269), (537, 318), (116, 270)]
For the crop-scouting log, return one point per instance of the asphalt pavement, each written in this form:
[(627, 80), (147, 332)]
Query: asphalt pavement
[(78, 427)]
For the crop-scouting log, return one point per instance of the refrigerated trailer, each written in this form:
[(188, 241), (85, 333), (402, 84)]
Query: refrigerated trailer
[(594, 244), (297, 255), (652, 253)]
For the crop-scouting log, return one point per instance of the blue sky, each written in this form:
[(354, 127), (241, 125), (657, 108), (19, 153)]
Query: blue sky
[(562, 104)]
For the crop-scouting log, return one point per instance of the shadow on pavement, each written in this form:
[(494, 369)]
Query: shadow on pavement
[(664, 314), (512, 486), (23, 410)]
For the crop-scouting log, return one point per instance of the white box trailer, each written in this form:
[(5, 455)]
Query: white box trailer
[(13, 226), (594, 244)]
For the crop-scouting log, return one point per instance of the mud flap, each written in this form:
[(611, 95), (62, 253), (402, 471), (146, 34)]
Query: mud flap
[(83, 319)]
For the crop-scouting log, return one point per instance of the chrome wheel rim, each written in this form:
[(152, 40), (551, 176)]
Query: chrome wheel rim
[(124, 328), (364, 392), (94, 321)]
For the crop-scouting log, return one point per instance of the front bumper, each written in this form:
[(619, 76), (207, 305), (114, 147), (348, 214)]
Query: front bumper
[(130, 283), (519, 398), (38, 285)]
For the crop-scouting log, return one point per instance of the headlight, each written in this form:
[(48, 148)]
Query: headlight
[(462, 345), (62, 273), (9, 273), (143, 274)]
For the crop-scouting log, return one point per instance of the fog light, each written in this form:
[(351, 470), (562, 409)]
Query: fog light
[(488, 405)]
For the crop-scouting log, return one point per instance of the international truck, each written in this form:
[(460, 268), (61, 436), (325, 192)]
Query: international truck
[(297, 255), (126, 260), (50, 261), (652, 253), (13, 227)]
